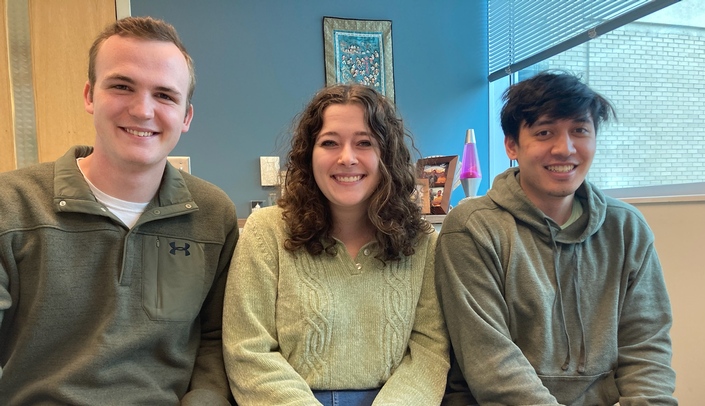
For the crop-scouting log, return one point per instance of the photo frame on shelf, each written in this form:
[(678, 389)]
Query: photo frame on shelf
[(359, 51), (440, 173), (421, 196)]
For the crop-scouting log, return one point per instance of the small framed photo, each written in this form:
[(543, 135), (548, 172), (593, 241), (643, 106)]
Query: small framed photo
[(439, 172), (421, 196)]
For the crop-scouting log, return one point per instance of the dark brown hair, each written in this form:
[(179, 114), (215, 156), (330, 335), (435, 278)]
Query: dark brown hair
[(395, 216), (555, 94)]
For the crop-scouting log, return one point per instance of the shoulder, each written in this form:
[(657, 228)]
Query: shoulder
[(31, 176), (615, 210), (27, 197), (616, 218), (426, 242), (208, 196), (264, 234), (34, 182), (266, 221), (617, 207), (204, 190), (473, 212), (625, 216)]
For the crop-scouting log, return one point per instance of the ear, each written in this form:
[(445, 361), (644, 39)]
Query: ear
[(511, 147), (88, 98), (187, 118)]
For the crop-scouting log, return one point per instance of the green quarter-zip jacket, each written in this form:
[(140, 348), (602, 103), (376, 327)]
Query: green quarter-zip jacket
[(92, 312)]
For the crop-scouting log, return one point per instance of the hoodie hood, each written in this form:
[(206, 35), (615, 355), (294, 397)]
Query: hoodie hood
[(507, 193)]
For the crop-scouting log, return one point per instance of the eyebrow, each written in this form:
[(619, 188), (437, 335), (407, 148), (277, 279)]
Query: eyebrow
[(543, 122), (357, 133), (581, 119)]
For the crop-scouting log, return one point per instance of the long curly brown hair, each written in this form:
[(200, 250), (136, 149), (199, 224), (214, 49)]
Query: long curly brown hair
[(395, 216)]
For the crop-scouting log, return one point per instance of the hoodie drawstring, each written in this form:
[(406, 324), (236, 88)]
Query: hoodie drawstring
[(576, 282), (559, 301), (559, 294)]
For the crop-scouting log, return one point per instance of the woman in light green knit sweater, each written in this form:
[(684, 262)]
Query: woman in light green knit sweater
[(330, 296)]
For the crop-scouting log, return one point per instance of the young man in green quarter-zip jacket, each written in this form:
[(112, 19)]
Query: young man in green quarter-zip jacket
[(112, 262), (552, 291)]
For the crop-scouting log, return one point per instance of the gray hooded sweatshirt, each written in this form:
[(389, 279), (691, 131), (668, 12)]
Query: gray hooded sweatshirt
[(540, 315)]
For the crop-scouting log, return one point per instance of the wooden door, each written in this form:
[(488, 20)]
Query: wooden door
[(60, 33), (7, 139)]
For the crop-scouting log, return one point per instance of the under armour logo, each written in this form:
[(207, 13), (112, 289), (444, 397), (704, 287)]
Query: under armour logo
[(174, 248)]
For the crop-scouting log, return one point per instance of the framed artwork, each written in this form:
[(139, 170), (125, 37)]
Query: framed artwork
[(439, 171), (421, 196), (359, 51)]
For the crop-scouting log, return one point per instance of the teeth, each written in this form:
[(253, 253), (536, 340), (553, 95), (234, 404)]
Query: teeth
[(140, 133), (348, 178), (561, 168)]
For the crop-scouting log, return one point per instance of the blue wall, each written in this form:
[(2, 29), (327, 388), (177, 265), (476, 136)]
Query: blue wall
[(258, 62)]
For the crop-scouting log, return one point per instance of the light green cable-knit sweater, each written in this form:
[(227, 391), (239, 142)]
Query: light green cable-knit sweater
[(296, 322)]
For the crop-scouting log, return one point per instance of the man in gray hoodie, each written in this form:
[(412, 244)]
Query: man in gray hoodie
[(552, 291)]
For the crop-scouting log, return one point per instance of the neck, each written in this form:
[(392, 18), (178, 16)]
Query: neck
[(558, 209), (123, 183), (354, 230)]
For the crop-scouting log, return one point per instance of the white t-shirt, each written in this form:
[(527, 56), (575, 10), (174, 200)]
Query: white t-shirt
[(128, 212)]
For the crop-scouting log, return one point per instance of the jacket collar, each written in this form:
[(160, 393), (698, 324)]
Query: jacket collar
[(72, 193)]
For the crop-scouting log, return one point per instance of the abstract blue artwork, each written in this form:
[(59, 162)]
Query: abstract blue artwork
[(357, 58)]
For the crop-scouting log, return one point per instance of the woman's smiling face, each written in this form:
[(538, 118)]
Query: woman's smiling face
[(346, 158)]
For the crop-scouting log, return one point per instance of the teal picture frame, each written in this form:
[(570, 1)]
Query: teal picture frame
[(359, 51)]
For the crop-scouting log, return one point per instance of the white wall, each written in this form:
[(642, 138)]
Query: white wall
[(679, 226)]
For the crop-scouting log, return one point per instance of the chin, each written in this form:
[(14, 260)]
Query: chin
[(563, 193)]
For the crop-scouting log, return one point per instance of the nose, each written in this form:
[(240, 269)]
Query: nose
[(347, 156), (564, 145), (142, 106)]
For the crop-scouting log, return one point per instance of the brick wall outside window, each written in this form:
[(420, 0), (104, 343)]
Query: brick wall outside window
[(655, 77)]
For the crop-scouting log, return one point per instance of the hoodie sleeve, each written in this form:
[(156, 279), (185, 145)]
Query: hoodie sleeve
[(470, 286), (644, 375)]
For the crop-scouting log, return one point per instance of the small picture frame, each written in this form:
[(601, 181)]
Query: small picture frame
[(421, 196), (439, 172)]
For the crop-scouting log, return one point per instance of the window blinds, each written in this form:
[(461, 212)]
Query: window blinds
[(524, 32)]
